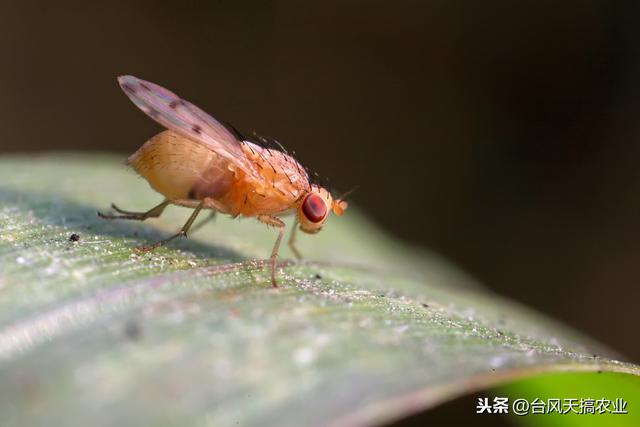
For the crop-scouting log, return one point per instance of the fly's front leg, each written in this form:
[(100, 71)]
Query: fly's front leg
[(276, 222), (154, 212), (292, 241), (183, 231)]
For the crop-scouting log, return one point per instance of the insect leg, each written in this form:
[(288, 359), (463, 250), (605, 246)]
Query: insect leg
[(122, 211), (270, 220), (204, 222), (183, 231), (139, 216), (292, 241)]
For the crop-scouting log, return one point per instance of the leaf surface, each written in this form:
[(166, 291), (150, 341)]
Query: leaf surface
[(365, 331)]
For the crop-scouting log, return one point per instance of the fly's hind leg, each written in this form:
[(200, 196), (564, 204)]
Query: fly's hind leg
[(271, 220), (183, 231), (292, 241), (154, 212)]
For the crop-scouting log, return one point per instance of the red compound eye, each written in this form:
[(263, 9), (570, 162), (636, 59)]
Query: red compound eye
[(314, 208)]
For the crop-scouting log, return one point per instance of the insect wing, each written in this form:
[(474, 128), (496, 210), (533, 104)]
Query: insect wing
[(181, 116)]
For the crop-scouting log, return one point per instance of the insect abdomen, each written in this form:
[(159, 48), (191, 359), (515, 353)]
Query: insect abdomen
[(180, 169)]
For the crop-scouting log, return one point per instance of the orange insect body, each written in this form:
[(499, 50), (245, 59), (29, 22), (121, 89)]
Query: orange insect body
[(200, 163), (187, 173)]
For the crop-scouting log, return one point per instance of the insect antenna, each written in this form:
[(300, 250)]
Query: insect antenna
[(344, 195)]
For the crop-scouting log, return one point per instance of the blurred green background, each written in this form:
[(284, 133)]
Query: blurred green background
[(501, 134)]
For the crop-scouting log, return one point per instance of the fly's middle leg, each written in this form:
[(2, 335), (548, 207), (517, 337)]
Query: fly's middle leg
[(270, 220), (204, 222), (292, 241)]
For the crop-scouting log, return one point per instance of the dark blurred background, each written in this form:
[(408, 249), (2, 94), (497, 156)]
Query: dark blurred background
[(504, 135)]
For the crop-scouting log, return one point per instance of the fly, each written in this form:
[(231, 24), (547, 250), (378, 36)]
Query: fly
[(199, 163)]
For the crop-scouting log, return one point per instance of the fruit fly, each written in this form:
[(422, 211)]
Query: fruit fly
[(200, 163)]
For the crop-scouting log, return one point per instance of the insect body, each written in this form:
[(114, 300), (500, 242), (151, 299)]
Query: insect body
[(201, 164)]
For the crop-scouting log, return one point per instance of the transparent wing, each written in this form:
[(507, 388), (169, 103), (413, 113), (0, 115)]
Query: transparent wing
[(181, 116)]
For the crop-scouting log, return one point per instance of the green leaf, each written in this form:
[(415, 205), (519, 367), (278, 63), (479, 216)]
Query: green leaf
[(365, 331), (565, 386)]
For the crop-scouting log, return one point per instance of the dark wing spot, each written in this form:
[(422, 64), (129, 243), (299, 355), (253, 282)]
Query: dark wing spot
[(152, 112), (173, 105), (197, 129), (145, 87), (127, 88)]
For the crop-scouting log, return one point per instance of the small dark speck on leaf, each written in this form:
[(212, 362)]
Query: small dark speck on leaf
[(382, 295), (500, 332), (133, 330), (74, 237), (599, 371), (425, 305), (318, 276)]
